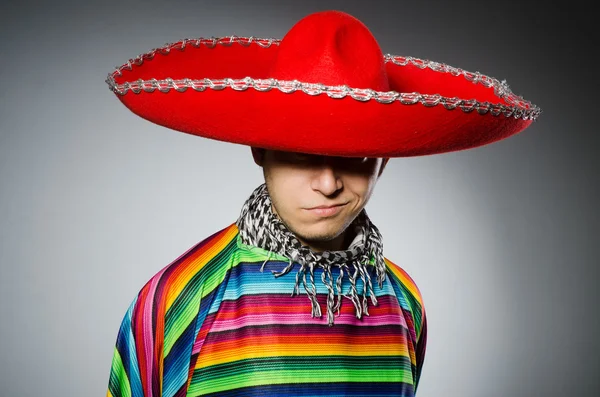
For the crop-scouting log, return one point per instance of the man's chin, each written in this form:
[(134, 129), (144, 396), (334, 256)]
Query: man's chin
[(319, 234)]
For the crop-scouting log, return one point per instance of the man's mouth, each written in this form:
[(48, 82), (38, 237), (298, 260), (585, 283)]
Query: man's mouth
[(326, 210)]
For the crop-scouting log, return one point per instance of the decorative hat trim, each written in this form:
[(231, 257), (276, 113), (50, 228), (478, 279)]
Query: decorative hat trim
[(519, 108)]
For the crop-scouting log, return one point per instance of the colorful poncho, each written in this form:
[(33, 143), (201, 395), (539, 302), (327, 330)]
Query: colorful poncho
[(212, 323)]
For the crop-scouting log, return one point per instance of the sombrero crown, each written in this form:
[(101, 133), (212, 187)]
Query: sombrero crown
[(325, 88)]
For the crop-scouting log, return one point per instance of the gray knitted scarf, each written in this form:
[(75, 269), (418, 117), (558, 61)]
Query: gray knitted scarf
[(260, 227)]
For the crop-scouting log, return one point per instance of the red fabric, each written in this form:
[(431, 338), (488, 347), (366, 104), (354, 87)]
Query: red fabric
[(332, 48)]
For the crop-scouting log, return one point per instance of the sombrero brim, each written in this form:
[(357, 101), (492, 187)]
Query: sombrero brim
[(221, 89)]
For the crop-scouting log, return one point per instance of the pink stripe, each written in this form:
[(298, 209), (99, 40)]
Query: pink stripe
[(148, 329), (303, 332), (294, 318), (386, 304)]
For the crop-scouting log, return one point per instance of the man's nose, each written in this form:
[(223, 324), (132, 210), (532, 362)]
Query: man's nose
[(327, 179)]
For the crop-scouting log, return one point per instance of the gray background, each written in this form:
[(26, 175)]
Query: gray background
[(502, 240)]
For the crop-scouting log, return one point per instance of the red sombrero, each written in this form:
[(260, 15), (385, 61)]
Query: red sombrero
[(325, 88)]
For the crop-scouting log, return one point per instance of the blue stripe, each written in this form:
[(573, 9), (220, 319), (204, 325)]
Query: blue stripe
[(246, 278), (126, 347), (342, 389)]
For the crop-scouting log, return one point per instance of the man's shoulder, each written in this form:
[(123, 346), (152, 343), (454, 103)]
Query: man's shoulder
[(170, 302), (411, 295), (188, 267), (404, 279)]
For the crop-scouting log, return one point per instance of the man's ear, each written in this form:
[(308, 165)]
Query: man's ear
[(258, 155), (383, 164)]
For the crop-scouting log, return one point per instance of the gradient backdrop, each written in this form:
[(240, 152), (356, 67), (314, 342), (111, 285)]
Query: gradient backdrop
[(502, 240)]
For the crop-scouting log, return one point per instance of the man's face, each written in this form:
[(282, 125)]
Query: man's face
[(317, 197)]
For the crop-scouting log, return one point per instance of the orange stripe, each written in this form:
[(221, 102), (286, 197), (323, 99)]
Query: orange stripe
[(326, 340), (352, 342), (406, 280), (184, 272)]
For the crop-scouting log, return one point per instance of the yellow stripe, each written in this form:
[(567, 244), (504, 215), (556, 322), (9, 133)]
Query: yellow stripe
[(195, 264)]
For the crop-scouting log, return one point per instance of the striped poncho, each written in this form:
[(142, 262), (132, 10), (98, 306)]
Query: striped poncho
[(212, 324)]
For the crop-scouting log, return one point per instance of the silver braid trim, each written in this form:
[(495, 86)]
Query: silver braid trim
[(517, 108)]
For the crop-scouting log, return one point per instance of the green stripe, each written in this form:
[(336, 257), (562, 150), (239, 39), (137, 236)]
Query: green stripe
[(118, 383), (250, 253), (299, 375)]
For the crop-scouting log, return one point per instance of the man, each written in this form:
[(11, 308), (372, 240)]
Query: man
[(296, 297)]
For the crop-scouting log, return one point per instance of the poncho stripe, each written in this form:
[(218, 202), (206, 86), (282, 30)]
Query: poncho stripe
[(212, 324)]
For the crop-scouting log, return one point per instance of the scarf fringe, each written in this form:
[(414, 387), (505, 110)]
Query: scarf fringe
[(260, 227)]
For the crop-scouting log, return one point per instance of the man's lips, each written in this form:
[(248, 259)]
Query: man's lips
[(326, 210), (325, 206)]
